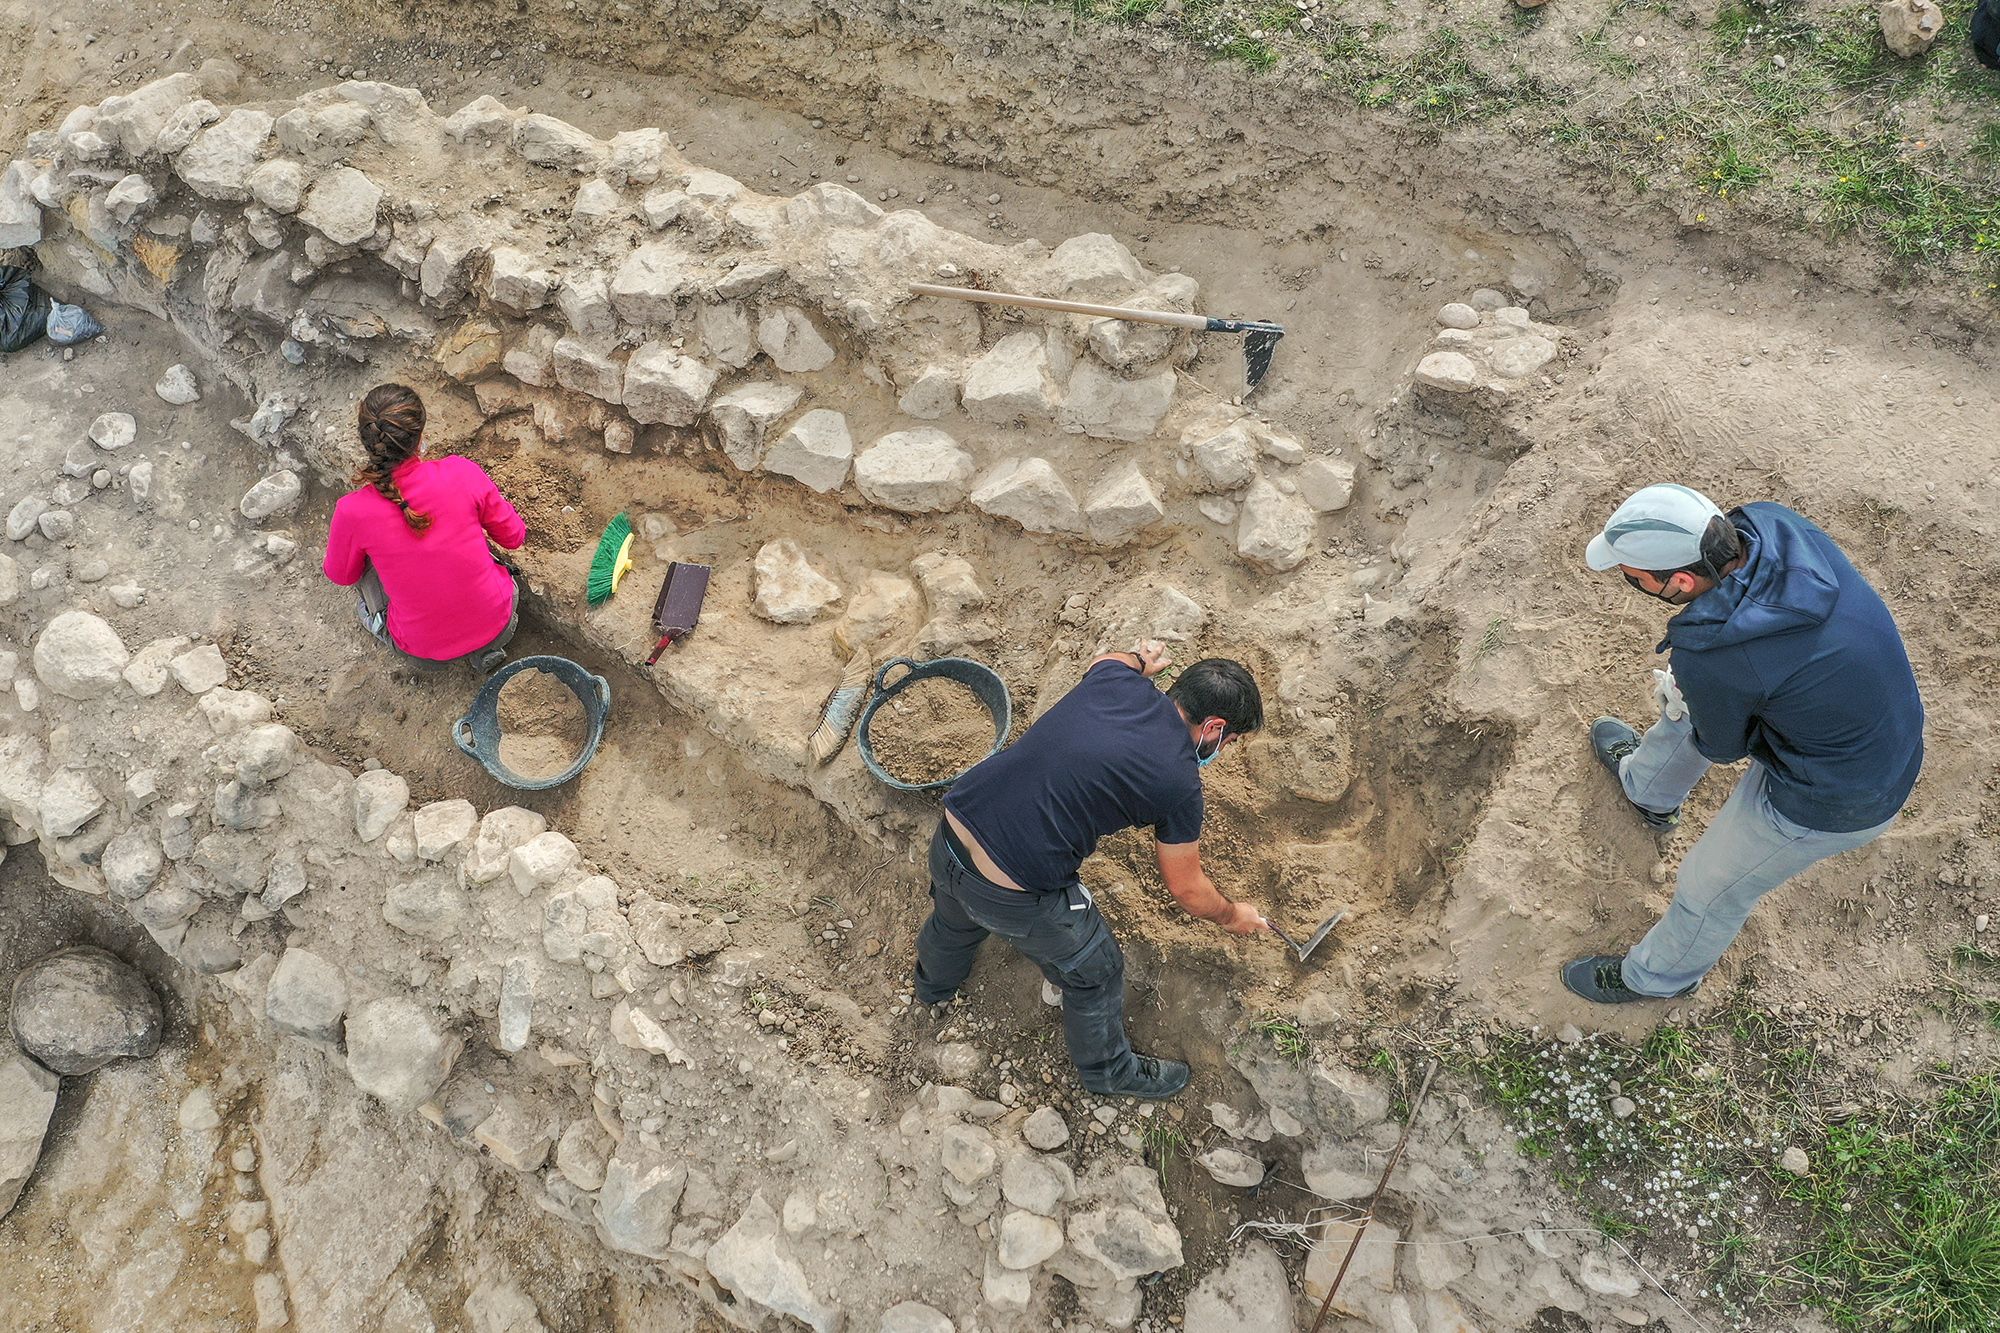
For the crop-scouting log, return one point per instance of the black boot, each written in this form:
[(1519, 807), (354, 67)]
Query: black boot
[(1150, 1078), (1613, 740)]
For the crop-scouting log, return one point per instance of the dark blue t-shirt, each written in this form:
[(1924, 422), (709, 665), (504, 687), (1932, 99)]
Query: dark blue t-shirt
[(1112, 754)]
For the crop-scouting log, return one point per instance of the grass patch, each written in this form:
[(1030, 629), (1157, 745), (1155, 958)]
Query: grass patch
[(1286, 1037), (1677, 1146), (1163, 1144), (1798, 113), (1907, 1214)]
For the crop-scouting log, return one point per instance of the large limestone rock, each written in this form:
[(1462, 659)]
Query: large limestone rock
[(1370, 1278), (1030, 492), (342, 206), (1229, 1166), (80, 656), (1247, 1295), (541, 861), (20, 215), (743, 417), (664, 387), (306, 996), (1910, 26), (132, 861), (484, 120), (27, 1100), (1123, 505), (379, 796), (914, 1317), (279, 185), (1326, 484), (752, 1260), (1275, 531), (585, 301), (133, 121), (588, 366), (788, 337), (1011, 383), (271, 496), (443, 826), (914, 471), (1127, 1243), (816, 450), (1106, 406), (1093, 266), (218, 163), (397, 1053), (500, 833), (1036, 1183), (637, 1201), (1452, 372), (652, 282), (69, 800), (931, 393), (789, 590), (517, 283), (556, 144), (1027, 1239), (726, 334), (78, 1010), (1221, 461)]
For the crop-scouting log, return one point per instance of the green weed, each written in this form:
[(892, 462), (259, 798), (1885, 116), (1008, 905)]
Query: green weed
[(1286, 1036), (1162, 1144)]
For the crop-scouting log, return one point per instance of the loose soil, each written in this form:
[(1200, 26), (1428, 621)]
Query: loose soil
[(542, 725), (931, 730), (1434, 779)]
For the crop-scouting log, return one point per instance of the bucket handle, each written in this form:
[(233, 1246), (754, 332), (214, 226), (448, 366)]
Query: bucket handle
[(881, 676), (461, 735)]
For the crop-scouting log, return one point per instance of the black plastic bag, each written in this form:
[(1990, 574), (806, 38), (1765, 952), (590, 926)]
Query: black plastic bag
[(24, 309)]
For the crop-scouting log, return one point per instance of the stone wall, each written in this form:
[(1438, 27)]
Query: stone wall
[(634, 300)]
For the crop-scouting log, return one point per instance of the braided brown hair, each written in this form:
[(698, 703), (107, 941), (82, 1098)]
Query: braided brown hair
[(391, 426)]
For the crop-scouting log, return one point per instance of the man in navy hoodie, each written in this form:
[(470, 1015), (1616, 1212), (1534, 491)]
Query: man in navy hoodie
[(1783, 655)]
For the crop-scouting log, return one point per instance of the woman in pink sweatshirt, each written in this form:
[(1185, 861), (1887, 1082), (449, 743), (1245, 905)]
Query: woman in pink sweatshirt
[(414, 539)]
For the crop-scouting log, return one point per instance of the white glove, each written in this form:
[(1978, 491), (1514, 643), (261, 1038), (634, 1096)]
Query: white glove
[(1667, 694)]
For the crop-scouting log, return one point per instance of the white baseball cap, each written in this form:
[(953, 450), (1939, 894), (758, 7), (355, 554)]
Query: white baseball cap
[(1659, 528)]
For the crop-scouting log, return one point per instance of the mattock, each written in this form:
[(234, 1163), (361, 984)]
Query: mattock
[(1318, 937)]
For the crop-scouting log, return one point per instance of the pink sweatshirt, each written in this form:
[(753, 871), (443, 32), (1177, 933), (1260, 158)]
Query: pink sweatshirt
[(447, 594)]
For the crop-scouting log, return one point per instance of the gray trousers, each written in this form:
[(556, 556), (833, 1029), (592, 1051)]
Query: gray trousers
[(1748, 850), (373, 608)]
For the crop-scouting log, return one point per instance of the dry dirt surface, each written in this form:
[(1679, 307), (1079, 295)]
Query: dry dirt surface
[(1430, 663)]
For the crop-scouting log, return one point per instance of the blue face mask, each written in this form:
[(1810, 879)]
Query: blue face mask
[(1204, 760)]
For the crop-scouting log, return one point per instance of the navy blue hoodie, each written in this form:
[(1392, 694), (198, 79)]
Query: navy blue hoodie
[(1794, 661)]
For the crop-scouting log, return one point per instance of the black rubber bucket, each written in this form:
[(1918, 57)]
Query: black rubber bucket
[(478, 732), (981, 679)]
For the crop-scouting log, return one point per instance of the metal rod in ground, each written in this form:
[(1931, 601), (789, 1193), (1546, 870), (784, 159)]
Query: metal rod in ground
[(1381, 1187)]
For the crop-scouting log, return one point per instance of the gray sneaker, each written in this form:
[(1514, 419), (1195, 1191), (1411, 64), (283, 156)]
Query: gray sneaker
[(1611, 740), (1600, 978)]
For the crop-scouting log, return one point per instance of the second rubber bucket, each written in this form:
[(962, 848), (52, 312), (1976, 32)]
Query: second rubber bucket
[(981, 679)]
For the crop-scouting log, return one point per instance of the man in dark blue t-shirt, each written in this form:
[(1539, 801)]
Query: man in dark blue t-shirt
[(1114, 753)]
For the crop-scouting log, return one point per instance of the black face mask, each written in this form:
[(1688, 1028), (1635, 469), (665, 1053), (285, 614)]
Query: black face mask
[(1656, 596)]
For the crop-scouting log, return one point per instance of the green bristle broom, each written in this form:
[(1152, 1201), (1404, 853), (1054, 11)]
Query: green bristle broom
[(613, 559)]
